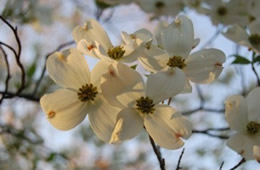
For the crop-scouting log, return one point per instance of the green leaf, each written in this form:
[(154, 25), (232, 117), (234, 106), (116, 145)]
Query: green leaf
[(257, 59), (51, 156), (101, 4), (240, 60), (133, 66), (31, 70)]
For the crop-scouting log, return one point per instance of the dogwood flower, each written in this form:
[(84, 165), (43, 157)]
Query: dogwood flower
[(92, 40), (256, 150), (175, 43), (79, 95), (240, 36), (140, 106), (243, 116)]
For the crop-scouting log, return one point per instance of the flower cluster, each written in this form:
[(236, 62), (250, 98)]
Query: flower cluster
[(120, 103)]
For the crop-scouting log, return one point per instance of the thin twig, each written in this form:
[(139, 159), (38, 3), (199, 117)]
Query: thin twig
[(8, 75), (221, 165), (60, 47), (208, 132), (157, 153), (243, 160), (203, 109), (9, 95), (169, 101), (179, 161), (257, 77), (16, 53)]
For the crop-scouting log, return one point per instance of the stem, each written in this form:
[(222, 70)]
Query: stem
[(243, 160), (257, 77), (157, 153), (179, 161)]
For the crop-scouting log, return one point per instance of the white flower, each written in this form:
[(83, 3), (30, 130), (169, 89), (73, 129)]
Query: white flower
[(227, 13), (240, 36), (161, 7), (80, 94), (141, 108), (243, 116), (175, 43), (256, 150), (92, 40)]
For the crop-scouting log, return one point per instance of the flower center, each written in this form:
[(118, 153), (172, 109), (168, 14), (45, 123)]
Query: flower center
[(145, 105), (159, 4), (253, 128), (176, 61), (116, 52), (222, 11), (87, 92), (254, 39)]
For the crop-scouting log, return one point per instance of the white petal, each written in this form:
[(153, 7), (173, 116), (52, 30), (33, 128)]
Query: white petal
[(87, 48), (102, 117), (178, 37), (92, 30), (68, 69), (256, 152), (254, 27), (242, 144), (187, 88), (63, 109), (122, 85), (131, 54), (253, 104), (165, 84), (154, 59), (196, 42), (238, 35), (129, 123), (204, 66), (236, 113), (99, 70), (167, 127), (158, 32)]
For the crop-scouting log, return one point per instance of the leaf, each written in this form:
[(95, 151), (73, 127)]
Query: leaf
[(133, 66), (241, 60), (51, 156), (257, 59), (31, 70)]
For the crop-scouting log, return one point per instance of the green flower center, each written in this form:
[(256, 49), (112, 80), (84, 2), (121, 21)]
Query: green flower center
[(159, 4), (87, 92), (145, 105), (253, 128), (176, 61), (222, 11), (116, 52), (254, 39)]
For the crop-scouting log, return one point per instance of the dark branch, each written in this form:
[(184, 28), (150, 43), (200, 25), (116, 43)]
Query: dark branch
[(157, 153), (9, 95), (179, 161), (16, 53), (243, 160), (201, 108), (8, 75), (221, 165), (257, 77), (60, 47), (209, 132)]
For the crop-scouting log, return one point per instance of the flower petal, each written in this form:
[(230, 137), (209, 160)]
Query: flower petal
[(87, 48), (204, 66), (63, 109), (99, 70), (91, 31), (68, 69), (122, 85), (253, 105), (178, 37), (129, 123), (242, 144), (102, 117), (256, 152), (154, 59), (165, 84), (167, 127), (236, 113), (254, 27), (238, 35)]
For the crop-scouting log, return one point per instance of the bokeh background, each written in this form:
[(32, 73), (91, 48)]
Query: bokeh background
[(28, 141)]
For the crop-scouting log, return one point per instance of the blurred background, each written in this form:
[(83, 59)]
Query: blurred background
[(27, 139)]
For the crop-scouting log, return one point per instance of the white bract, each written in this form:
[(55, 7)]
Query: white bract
[(256, 150), (243, 116), (172, 53), (92, 40), (80, 95), (140, 106), (242, 37)]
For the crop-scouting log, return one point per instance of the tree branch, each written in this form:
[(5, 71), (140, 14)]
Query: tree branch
[(243, 160), (9, 95), (157, 153), (179, 161)]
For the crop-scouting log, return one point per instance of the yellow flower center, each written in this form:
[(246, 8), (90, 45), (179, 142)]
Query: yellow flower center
[(116, 52), (222, 11), (176, 61), (87, 92), (253, 128), (145, 105), (254, 39)]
